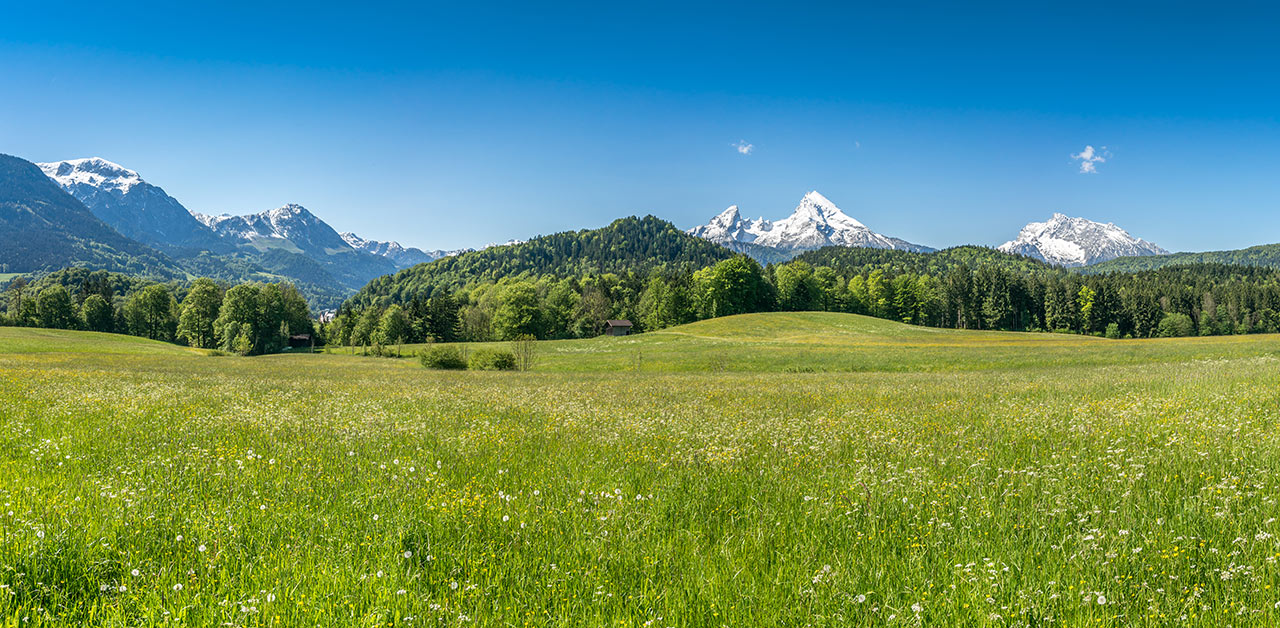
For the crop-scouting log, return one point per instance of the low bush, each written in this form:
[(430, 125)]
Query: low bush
[(486, 360), (444, 358)]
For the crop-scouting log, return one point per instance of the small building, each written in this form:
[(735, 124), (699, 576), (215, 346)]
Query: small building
[(300, 341), (617, 328)]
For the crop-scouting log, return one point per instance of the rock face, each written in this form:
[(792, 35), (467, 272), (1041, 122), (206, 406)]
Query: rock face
[(129, 204), (1068, 241), (816, 222)]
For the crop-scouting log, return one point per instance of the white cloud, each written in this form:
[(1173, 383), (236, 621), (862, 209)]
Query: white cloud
[(743, 147), (1090, 158)]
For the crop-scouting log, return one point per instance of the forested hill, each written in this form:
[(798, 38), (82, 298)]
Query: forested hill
[(1267, 255), (846, 260), (635, 245)]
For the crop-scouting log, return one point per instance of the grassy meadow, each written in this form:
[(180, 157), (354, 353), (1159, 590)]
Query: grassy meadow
[(763, 470)]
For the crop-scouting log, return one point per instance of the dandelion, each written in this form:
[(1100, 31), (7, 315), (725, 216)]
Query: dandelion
[(123, 588), (271, 597), (1102, 599), (179, 538), (408, 554), (134, 573), (201, 548), (375, 517), (505, 518), (454, 585), (177, 587)]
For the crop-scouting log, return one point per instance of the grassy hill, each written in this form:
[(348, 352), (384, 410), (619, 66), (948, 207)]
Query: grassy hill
[(22, 340)]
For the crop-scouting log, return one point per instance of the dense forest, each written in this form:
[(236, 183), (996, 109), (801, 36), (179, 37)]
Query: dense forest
[(965, 287), (628, 245), (1267, 255), (249, 318)]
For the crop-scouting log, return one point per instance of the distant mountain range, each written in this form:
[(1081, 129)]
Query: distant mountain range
[(815, 223), (95, 213), (288, 242), (1067, 241)]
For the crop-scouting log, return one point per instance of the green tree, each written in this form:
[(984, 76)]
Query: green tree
[(365, 332), (518, 312), (97, 313), (54, 309), (237, 316), (393, 327), (1085, 300), (200, 309), (798, 290), (152, 313), (1175, 325), (734, 286)]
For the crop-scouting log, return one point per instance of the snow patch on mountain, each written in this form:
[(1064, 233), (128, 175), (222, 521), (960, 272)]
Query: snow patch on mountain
[(95, 172), (1068, 241), (814, 223)]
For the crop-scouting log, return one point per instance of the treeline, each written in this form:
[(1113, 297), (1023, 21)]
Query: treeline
[(248, 318), (1175, 301), (626, 246)]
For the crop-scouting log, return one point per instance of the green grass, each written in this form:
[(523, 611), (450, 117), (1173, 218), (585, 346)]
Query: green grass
[(831, 342), (1087, 482)]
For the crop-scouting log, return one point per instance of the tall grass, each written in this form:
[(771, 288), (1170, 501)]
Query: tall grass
[(160, 486)]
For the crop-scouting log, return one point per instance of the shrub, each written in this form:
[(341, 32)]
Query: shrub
[(1176, 325), (445, 358), (1113, 331), (486, 360)]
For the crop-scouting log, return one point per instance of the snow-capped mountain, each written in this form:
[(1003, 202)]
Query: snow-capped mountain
[(401, 256), (291, 227), (1068, 241), (816, 222), (135, 208)]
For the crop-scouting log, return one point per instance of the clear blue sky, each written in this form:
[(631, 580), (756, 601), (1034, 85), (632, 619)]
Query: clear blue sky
[(463, 123)]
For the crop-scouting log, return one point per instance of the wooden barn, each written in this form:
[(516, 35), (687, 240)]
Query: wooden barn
[(617, 328)]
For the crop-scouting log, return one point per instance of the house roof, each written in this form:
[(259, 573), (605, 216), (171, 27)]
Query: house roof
[(622, 323)]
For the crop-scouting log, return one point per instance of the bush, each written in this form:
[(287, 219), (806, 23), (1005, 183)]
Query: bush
[(1113, 331), (486, 360), (445, 358), (1176, 325)]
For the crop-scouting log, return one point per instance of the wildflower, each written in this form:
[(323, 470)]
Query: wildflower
[(177, 587), (1102, 599), (179, 539), (123, 588), (505, 518), (134, 573), (400, 592), (39, 534), (271, 597), (375, 517), (201, 548), (454, 585)]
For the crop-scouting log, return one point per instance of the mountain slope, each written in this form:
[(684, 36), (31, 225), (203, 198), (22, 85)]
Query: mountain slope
[(627, 245), (44, 228), (1266, 255), (1068, 241), (281, 234), (815, 223), (135, 208)]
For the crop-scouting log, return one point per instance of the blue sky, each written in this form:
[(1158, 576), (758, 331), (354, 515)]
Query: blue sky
[(447, 125)]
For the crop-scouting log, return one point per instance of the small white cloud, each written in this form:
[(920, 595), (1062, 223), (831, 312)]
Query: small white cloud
[(743, 147), (1090, 158)]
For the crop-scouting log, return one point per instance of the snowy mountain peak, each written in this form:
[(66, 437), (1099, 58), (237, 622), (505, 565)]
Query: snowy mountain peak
[(94, 172), (1069, 241), (814, 223)]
